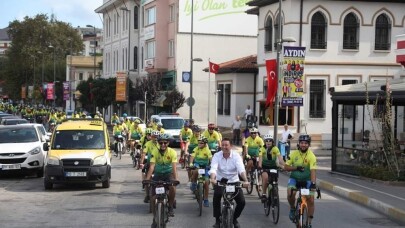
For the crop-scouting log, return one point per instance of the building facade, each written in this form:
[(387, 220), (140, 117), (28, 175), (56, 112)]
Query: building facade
[(347, 42), (160, 43)]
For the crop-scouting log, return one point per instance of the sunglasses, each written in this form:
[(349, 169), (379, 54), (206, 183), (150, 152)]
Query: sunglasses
[(268, 140), (211, 128), (253, 133), (201, 142), (163, 143)]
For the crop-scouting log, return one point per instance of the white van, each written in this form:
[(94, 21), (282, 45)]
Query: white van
[(172, 123)]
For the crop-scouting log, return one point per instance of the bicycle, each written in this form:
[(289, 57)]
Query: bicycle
[(272, 201), (136, 154), (118, 146), (228, 206), (301, 206), (161, 200), (253, 178), (199, 192), (182, 159)]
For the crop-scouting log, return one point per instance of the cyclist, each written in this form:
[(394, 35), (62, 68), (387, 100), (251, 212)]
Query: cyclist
[(228, 164), (200, 158), (214, 139), (269, 158), (185, 135), (302, 164), (135, 133), (252, 147), (163, 165), (150, 146), (114, 119), (159, 127)]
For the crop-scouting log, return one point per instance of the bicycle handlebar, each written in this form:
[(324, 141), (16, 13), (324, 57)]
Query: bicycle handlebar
[(164, 183)]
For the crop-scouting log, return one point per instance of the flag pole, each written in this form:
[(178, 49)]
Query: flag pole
[(209, 89)]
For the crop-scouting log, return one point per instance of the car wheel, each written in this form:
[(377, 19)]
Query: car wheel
[(40, 173), (48, 185), (106, 183)]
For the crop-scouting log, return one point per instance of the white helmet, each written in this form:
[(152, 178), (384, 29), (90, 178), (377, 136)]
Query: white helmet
[(268, 137), (156, 133)]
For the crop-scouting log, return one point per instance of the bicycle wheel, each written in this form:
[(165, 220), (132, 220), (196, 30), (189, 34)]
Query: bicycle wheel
[(159, 215), (200, 197), (267, 204), (229, 221), (249, 189), (275, 204), (304, 217)]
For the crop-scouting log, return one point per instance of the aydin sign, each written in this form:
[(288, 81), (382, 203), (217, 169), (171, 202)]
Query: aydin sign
[(217, 17)]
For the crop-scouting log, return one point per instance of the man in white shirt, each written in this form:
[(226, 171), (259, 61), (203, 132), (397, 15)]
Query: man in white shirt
[(236, 123), (248, 115), (286, 136), (227, 164)]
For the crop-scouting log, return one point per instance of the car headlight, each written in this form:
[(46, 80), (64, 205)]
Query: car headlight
[(36, 150), (53, 161), (100, 160)]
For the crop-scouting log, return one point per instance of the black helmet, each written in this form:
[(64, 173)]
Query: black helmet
[(305, 138)]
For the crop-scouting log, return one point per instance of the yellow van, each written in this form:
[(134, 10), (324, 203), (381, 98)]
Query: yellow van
[(79, 152)]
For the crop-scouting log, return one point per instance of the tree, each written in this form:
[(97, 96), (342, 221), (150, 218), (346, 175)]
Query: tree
[(31, 39), (150, 84), (103, 91), (176, 98), (85, 98)]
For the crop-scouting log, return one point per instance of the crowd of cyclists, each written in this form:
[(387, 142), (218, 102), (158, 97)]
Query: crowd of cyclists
[(207, 149)]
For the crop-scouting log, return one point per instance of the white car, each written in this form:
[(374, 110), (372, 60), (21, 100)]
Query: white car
[(22, 149), (172, 123), (42, 130)]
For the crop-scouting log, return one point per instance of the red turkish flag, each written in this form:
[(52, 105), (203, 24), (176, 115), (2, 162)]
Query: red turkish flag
[(272, 81), (214, 68)]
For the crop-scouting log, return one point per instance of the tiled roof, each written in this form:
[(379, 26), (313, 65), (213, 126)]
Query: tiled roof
[(4, 34), (246, 64)]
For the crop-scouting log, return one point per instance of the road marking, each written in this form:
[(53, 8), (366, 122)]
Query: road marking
[(372, 189)]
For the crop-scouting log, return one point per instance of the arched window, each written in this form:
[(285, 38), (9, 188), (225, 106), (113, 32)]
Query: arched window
[(318, 31), (135, 57), (350, 32), (136, 19), (277, 31), (382, 33), (268, 29)]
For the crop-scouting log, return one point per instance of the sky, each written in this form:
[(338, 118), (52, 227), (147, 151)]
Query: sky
[(76, 12)]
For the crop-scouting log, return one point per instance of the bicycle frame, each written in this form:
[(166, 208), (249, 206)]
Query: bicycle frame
[(230, 191)]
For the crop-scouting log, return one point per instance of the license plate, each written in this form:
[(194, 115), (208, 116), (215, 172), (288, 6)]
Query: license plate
[(305, 192), (273, 170), (230, 188), (160, 190), (201, 171), (75, 174), (9, 167)]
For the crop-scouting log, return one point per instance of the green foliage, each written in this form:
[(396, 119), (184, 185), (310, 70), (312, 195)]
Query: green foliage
[(150, 84), (176, 99), (378, 173), (104, 92), (84, 88), (30, 50)]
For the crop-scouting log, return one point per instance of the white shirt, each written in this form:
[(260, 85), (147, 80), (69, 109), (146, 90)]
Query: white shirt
[(284, 135), (248, 112), (228, 168), (236, 124)]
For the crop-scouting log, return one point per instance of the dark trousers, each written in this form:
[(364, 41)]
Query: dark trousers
[(239, 199), (236, 136)]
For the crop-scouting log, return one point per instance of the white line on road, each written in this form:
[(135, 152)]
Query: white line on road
[(372, 189)]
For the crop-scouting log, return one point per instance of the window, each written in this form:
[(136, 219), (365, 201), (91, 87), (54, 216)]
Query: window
[(277, 31), (150, 16), (171, 48), (268, 29), (172, 13), (136, 19), (142, 58), (382, 33), (135, 57), (349, 109), (350, 32), (317, 99), (224, 99), (150, 50), (80, 76), (265, 87), (318, 31)]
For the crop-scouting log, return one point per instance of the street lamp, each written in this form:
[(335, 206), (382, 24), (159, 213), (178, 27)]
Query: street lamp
[(54, 75), (70, 74), (42, 73), (191, 81), (279, 43), (94, 45)]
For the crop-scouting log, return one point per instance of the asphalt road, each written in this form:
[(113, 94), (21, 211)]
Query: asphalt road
[(25, 203)]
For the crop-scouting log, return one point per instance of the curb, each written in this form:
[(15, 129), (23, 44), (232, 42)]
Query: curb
[(392, 212)]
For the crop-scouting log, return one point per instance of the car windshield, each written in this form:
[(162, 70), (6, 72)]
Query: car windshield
[(14, 122), (18, 135), (172, 123), (78, 139)]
